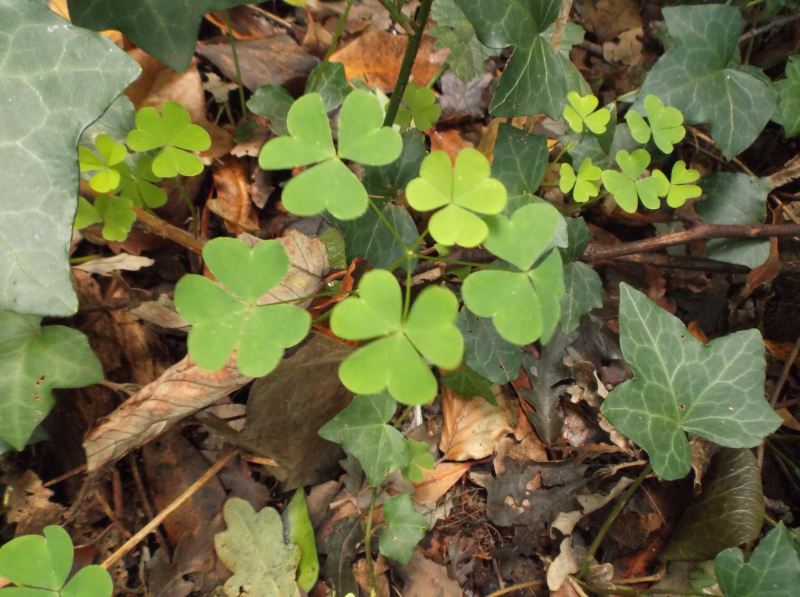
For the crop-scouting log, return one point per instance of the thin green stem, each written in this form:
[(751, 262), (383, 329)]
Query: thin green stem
[(86, 259), (611, 518), (419, 240), (397, 263), (368, 539), (407, 302), (189, 204), (387, 224), (437, 75), (236, 63), (322, 317), (398, 16), (313, 296), (229, 113), (783, 457), (331, 46), (582, 206), (469, 263), (560, 155), (408, 62), (402, 416)]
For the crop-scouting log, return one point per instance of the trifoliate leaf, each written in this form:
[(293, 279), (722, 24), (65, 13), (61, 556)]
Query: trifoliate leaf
[(404, 528), (666, 124), (583, 182), (86, 215), (110, 153), (393, 360), (533, 81), (174, 134), (330, 184), (165, 29), (33, 361), (273, 102), (772, 570), (227, 320), (680, 385), (680, 187), (362, 431), (701, 76), (253, 549), (467, 383), (461, 191), (118, 216), (454, 31), (625, 187), (788, 113), (421, 103), (420, 459), (582, 112), (524, 237), (328, 79), (520, 161), (138, 185), (56, 80), (301, 533)]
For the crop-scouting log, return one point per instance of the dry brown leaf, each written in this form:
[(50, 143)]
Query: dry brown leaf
[(451, 142), (472, 427), (608, 18), (105, 266), (317, 39), (379, 570), (627, 51), (788, 419), (425, 578), (376, 56), (438, 481), (696, 331), (28, 504), (232, 180), (530, 448), (767, 271), (246, 22)]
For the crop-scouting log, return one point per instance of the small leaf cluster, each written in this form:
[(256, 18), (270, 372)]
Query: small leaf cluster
[(162, 144)]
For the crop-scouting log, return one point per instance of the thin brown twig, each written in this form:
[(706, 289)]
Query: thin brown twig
[(525, 585), (145, 501), (166, 230)]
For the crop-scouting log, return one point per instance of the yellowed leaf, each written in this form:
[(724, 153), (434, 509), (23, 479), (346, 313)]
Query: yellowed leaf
[(472, 427)]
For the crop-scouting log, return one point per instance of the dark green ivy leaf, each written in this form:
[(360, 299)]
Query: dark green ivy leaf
[(533, 81), (328, 79), (788, 113), (485, 351), (456, 33), (404, 528), (467, 383), (583, 285), (520, 160), (389, 181), (701, 75), (273, 102)]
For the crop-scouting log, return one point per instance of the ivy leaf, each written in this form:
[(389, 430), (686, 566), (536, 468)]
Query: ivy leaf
[(461, 192), (273, 102), (583, 182), (625, 187), (117, 214), (362, 431), (466, 382), (772, 570), (137, 185), (328, 79), (454, 31), (253, 549), (393, 361), (165, 29), (666, 124), (421, 103), (389, 181), (788, 114), (33, 361), (41, 85), (735, 199), (573, 35), (680, 385), (404, 528), (680, 187), (582, 112), (582, 285), (533, 81), (485, 351), (110, 153), (301, 533), (702, 77), (524, 237), (520, 161), (227, 320), (420, 459)]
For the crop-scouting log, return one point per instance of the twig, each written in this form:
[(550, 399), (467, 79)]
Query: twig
[(525, 585), (770, 26), (368, 539), (561, 24), (111, 516), (687, 262), (159, 518), (787, 367), (397, 16), (166, 230), (65, 476), (137, 479), (285, 24), (235, 55)]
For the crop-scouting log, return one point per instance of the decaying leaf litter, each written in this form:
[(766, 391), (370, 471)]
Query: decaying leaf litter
[(184, 482)]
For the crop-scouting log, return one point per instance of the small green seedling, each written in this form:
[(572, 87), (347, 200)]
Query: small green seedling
[(582, 112), (39, 567), (421, 459), (666, 124), (330, 184), (395, 359), (680, 188), (173, 133), (109, 154), (462, 192), (524, 306), (227, 317), (584, 182), (137, 185), (422, 110), (626, 186)]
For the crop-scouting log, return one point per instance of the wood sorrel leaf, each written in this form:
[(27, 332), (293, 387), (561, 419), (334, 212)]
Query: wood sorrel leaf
[(651, 188), (463, 191), (524, 237), (421, 102), (582, 112), (404, 528), (362, 430), (222, 323), (680, 189), (420, 459), (33, 361), (583, 182), (680, 385), (36, 561), (117, 214), (110, 153), (701, 76), (138, 185), (362, 136), (666, 124)]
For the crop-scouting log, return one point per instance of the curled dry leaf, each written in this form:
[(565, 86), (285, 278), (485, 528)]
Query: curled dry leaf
[(184, 388), (472, 427), (628, 50), (28, 504), (105, 266), (233, 205), (437, 482)]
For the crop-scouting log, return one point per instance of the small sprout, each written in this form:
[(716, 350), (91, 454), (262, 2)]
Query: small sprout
[(422, 109), (174, 134), (110, 153), (625, 187), (680, 188), (666, 124), (582, 112), (583, 182), (117, 214)]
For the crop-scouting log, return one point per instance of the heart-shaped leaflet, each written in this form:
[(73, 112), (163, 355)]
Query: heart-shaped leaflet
[(362, 136), (681, 189), (526, 236)]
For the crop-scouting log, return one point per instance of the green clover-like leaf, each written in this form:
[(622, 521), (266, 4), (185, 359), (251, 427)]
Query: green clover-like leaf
[(680, 188), (404, 528), (681, 385), (422, 107), (524, 237), (461, 191), (625, 187), (109, 153), (524, 306), (330, 184), (117, 214), (666, 124), (229, 318), (395, 359), (362, 431), (173, 133), (582, 112), (584, 182), (86, 215), (137, 185), (420, 459)]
